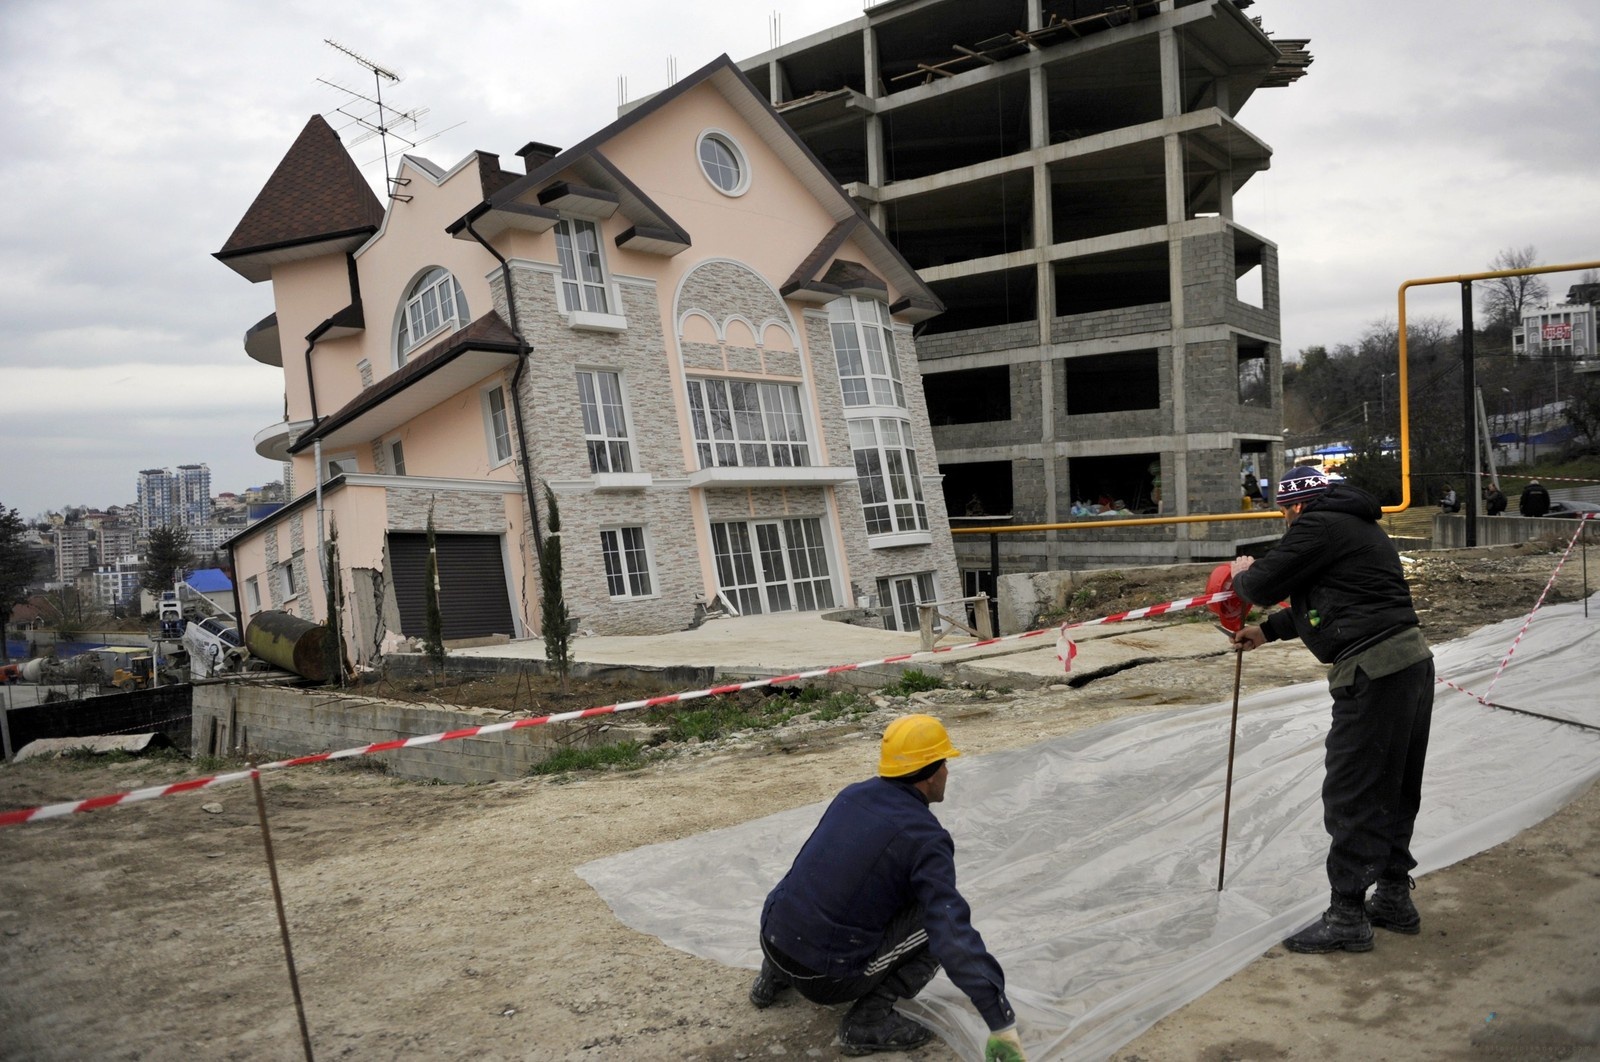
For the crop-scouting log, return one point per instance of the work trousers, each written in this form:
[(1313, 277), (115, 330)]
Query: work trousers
[(901, 966), (1373, 787)]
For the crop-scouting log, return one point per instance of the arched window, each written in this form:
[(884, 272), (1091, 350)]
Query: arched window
[(434, 305)]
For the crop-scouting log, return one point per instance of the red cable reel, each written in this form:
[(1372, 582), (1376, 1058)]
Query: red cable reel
[(1230, 613)]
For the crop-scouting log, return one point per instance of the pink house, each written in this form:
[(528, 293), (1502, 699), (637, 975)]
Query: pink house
[(682, 327)]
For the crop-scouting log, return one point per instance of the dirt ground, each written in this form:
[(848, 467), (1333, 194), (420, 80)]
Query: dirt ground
[(446, 922)]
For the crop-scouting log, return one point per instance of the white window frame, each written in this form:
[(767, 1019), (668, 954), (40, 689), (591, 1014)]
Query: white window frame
[(396, 454), (712, 168), (622, 559), (434, 304), (900, 612), (497, 438), (889, 476), (607, 433), (758, 564), (288, 589), (728, 433), (252, 594), (337, 464), (864, 351), (585, 281)]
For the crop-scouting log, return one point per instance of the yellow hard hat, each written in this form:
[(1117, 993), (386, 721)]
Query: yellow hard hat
[(911, 743)]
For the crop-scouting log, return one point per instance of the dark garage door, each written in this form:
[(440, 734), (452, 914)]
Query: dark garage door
[(472, 584)]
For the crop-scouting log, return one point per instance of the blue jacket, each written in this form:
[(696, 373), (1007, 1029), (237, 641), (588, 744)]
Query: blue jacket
[(877, 850), (1341, 574)]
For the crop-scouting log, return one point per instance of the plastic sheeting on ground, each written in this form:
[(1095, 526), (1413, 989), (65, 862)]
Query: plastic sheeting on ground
[(1090, 860)]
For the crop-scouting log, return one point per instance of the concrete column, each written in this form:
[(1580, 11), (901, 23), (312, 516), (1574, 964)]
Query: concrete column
[(1044, 309), (1171, 108), (877, 169)]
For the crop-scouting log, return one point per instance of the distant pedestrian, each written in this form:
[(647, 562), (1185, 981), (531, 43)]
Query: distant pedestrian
[(1535, 499), (1494, 500), (1450, 503)]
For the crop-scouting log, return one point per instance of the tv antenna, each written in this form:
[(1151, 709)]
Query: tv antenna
[(382, 122)]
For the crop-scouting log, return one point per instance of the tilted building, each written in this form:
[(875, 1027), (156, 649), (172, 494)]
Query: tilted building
[(681, 328), (1062, 173)]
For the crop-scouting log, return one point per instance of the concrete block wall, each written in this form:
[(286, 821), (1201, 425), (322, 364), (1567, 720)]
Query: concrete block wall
[(978, 341), (1024, 427), (1132, 424), (265, 723), (1105, 324), (1207, 278)]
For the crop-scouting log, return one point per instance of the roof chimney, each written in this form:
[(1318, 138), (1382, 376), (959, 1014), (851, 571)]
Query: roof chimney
[(535, 154)]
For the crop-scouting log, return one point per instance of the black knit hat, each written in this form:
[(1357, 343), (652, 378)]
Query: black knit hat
[(1301, 484)]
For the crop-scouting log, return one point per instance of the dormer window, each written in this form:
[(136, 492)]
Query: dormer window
[(434, 305)]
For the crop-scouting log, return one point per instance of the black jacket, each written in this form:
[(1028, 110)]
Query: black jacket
[(1340, 573), (879, 849)]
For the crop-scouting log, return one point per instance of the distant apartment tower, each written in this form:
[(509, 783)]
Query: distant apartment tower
[(155, 498), (72, 552), (191, 501), (180, 498), (1062, 174), (1565, 331)]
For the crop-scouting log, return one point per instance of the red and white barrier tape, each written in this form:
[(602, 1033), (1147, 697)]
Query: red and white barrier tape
[(1541, 479), (51, 811), (1536, 606)]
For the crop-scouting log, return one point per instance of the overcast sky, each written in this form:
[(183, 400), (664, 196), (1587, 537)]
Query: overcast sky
[(1428, 136)]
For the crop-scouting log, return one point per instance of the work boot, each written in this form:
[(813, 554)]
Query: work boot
[(768, 983), (1343, 925), (1390, 906), (874, 1025)]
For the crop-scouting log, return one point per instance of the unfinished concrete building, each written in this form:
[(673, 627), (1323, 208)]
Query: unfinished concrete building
[(1061, 173)]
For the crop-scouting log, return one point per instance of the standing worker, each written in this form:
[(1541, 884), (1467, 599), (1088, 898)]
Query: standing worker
[(869, 911), (1535, 500), (1349, 603)]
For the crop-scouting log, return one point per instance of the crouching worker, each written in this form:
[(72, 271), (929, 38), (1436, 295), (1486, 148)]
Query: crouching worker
[(869, 911)]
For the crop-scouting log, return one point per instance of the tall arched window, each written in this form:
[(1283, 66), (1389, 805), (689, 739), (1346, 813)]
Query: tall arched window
[(433, 306)]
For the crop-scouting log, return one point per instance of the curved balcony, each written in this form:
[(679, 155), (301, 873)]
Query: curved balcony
[(273, 441), (261, 341)]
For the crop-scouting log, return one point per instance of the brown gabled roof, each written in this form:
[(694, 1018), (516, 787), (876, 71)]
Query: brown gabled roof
[(317, 192), (488, 334)]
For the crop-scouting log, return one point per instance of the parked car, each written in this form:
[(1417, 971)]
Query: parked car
[(1574, 509)]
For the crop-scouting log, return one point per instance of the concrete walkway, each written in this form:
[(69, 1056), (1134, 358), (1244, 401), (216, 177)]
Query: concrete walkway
[(760, 646)]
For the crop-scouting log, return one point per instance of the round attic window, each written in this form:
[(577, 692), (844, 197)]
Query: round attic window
[(723, 163)]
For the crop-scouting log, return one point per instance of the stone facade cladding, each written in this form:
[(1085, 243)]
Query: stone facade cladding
[(667, 509), (549, 396), (453, 511)]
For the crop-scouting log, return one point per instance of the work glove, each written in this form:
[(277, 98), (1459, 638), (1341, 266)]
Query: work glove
[(1004, 1046)]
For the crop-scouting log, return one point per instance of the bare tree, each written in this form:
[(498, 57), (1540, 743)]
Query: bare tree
[(1504, 298)]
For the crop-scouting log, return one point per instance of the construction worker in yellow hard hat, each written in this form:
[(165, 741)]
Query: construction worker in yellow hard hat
[(869, 911)]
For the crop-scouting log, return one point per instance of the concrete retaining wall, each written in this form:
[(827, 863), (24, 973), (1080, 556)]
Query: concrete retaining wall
[(268, 723), (1450, 530)]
